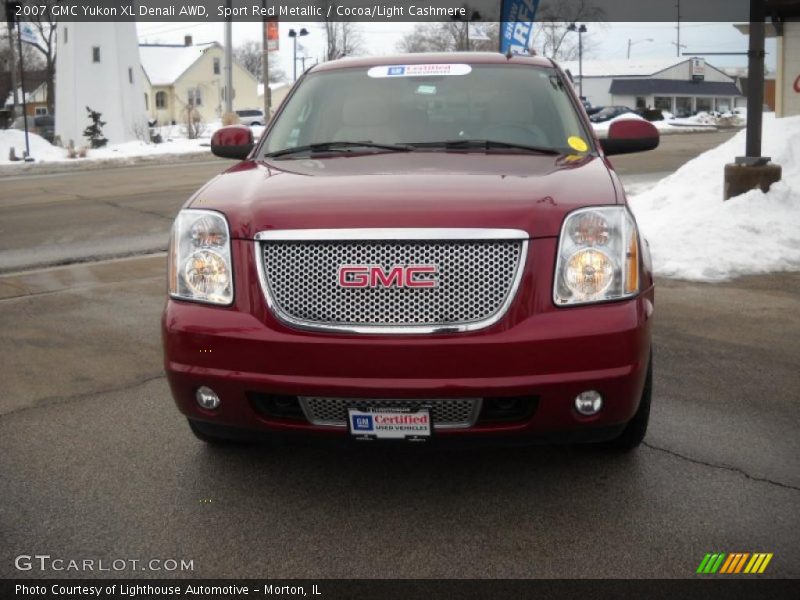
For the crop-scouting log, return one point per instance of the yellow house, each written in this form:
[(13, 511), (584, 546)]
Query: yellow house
[(180, 76)]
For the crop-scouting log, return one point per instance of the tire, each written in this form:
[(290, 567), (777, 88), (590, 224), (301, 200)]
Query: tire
[(635, 430), (255, 124)]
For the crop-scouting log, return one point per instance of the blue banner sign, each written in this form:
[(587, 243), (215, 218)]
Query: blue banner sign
[(517, 26)]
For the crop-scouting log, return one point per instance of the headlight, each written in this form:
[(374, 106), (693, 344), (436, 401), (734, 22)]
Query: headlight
[(200, 258), (598, 256)]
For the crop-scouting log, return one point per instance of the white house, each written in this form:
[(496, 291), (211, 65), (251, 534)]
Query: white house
[(679, 85), (98, 67), (180, 76)]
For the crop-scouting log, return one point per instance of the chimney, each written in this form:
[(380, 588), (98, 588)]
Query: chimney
[(187, 40)]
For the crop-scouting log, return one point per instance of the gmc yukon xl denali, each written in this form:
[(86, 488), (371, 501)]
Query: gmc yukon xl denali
[(419, 247)]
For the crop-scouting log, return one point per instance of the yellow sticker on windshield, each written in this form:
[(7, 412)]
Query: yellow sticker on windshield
[(578, 144)]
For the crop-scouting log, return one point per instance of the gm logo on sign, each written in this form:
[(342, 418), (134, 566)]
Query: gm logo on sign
[(734, 563), (396, 70), (362, 423)]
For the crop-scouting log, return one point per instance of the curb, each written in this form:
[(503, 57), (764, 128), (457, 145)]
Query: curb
[(77, 165)]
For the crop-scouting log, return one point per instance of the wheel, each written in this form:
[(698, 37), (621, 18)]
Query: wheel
[(255, 124), (635, 430), (214, 435)]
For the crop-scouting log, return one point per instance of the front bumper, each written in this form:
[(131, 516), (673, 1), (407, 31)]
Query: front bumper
[(537, 351)]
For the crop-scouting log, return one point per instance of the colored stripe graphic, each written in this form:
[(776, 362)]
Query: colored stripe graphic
[(742, 560), (734, 563), (703, 563), (727, 565)]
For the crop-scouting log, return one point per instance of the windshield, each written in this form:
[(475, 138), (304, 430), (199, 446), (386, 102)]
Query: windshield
[(512, 104)]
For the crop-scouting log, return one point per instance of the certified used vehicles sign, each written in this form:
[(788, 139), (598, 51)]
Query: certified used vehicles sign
[(390, 423)]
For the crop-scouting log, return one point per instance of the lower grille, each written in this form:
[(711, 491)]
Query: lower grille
[(445, 413)]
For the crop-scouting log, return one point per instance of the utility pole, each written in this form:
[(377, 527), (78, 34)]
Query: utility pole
[(265, 63), (581, 30), (229, 62), (678, 45), (753, 170), (12, 55)]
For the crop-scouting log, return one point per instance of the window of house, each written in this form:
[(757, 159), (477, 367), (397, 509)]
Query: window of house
[(161, 100), (66, 37), (96, 54), (663, 102), (216, 66), (195, 97), (704, 104), (683, 106), (146, 102), (41, 111), (130, 74), (641, 102)]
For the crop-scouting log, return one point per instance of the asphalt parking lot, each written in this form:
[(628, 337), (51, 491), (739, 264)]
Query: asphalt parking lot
[(97, 463)]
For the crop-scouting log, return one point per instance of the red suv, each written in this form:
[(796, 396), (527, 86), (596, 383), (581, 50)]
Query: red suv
[(418, 247)]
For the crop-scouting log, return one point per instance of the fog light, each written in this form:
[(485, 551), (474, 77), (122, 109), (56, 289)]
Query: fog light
[(588, 403), (207, 398)]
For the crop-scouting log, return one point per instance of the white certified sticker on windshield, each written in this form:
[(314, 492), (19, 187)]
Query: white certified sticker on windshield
[(418, 70)]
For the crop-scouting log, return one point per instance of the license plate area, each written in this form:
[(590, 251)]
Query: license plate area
[(387, 423)]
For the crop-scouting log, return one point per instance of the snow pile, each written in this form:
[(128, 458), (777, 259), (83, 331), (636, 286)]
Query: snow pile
[(694, 235), (41, 149), (173, 136)]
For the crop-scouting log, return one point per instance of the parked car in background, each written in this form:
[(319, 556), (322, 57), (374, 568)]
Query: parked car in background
[(43, 126), (251, 117), (609, 112)]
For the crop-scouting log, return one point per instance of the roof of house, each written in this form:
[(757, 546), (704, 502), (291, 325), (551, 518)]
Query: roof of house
[(273, 85), (165, 63), (642, 67), (672, 87)]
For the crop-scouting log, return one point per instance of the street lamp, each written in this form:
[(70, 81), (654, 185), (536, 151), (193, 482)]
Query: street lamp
[(294, 35), (633, 43), (581, 30)]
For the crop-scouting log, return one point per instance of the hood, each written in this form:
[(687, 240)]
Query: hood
[(415, 189)]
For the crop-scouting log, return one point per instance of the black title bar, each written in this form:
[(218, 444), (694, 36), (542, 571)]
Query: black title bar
[(378, 10)]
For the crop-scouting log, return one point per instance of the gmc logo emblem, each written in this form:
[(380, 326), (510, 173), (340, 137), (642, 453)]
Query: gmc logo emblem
[(372, 276)]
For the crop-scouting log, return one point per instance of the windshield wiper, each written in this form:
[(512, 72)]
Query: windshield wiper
[(339, 147), (486, 145)]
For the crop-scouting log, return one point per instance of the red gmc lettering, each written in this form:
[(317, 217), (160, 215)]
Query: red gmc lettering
[(362, 276)]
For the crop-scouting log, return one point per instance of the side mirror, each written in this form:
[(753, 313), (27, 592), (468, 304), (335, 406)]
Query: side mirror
[(630, 135), (233, 141)]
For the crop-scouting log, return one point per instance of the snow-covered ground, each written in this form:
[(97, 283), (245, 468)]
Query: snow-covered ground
[(695, 235), (174, 142)]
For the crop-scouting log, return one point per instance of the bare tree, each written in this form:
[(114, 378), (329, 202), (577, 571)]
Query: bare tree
[(551, 35), (46, 26), (342, 38), (449, 36), (249, 56), (32, 57)]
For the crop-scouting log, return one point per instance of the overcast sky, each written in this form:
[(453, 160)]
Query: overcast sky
[(607, 40)]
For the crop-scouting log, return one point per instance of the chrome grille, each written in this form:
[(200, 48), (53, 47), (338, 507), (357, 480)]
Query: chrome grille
[(476, 280), (452, 413)]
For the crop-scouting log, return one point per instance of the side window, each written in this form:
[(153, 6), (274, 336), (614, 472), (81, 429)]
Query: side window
[(216, 66), (195, 97), (96, 54), (66, 37), (161, 100), (130, 74)]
